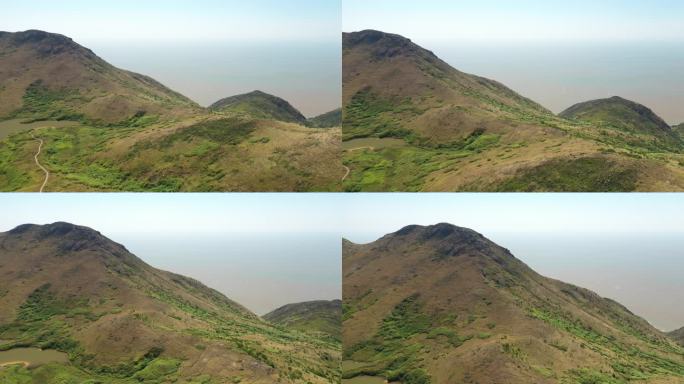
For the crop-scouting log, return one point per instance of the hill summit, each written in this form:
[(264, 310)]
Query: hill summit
[(260, 105), (620, 113)]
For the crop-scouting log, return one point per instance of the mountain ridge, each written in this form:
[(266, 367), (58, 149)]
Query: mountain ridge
[(620, 113), (60, 79), (443, 304), (69, 288)]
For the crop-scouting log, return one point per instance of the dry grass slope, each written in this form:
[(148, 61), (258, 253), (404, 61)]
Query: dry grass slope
[(443, 304), (69, 288), (130, 133), (467, 133)]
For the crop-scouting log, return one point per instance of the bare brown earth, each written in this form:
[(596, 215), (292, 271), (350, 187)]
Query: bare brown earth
[(69, 288), (468, 133), (442, 304)]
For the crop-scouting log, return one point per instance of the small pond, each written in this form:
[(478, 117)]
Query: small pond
[(32, 357)]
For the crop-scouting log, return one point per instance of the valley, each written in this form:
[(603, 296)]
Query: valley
[(121, 131), (462, 132)]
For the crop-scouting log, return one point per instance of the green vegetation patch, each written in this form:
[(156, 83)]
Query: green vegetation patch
[(630, 363), (391, 353), (42, 103), (588, 174), (11, 177), (368, 114), (226, 131), (405, 320)]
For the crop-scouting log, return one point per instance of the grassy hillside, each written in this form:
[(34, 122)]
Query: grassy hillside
[(461, 132), (633, 119), (677, 336), (70, 289), (312, 316), (326, 120), (443, 304), (49, 76), (679, 130), (106, 129), (259, 105)]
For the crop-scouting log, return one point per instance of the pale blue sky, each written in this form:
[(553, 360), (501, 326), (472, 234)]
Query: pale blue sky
[(504, 20), (176, 213), (366, 217), (347, 214), (177, 20)]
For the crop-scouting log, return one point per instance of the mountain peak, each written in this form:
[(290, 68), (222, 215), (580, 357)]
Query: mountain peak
[(46, 43), (384, 45), (59, 228), (66, 238), (438, 231), (371, 36)]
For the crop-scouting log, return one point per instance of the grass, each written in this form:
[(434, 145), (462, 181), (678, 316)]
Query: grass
[(394, 353), (589, 174), (580, 167), (41, 103), (42, 321), (212, 155), (629, 362), (405, 320), (369, 115)]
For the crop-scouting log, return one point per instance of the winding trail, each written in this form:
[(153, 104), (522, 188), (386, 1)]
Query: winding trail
[(24, 363), (347, 173), (360, 148), (47, 173)]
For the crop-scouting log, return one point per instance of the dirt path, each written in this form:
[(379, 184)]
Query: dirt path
[(347, 173), (24, 363), (360, 148), (47, 174)]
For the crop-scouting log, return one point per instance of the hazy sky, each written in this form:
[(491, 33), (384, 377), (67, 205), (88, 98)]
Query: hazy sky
[(588, 20), (629, 247), (206, 49), (177, 20), (558, 53), (369, 216), (262, 250)]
